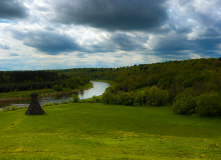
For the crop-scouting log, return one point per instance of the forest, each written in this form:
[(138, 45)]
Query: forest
[(32, 80), (190, 86)]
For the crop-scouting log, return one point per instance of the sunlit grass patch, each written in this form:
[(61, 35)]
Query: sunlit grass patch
[(10, 108)]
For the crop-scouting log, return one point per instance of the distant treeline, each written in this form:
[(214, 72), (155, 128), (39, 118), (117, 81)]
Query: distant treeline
[(202, 75), (190, 86), (30, 80), (165, 83)]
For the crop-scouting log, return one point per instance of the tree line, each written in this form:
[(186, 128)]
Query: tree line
[(190, 86), (31, 80), (180, 84)]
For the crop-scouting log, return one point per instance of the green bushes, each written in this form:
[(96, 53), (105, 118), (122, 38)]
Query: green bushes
[(108, 97), (49, 104), (96, 99), (58, 87), (75, 98), (185, 105), (10, 108), (125, 98), (151, 97), (156, 96), (207, 104)]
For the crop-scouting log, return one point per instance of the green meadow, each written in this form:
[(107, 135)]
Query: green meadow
[(98, 131)]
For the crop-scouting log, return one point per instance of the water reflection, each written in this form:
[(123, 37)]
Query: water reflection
[(98, 89)]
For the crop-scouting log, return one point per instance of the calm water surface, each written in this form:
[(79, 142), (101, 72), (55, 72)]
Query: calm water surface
[(97, 90)]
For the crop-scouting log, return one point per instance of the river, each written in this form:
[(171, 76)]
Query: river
[(97, 90)]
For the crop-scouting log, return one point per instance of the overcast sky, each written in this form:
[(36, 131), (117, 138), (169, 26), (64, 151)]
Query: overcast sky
[(60, 34)]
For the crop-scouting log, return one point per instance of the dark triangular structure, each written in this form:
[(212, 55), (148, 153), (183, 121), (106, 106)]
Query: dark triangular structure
[(34, 107)]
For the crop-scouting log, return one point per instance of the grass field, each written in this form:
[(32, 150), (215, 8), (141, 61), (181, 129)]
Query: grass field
[(98, 131)]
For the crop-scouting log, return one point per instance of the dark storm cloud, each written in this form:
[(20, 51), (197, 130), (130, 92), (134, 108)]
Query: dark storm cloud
[(118, 41), (127, 42), (209, 44), (177, 46), (172, 43), (112, 14), (48, 42), (10, 9)]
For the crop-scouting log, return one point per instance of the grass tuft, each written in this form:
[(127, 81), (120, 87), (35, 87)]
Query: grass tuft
[(10, 108)]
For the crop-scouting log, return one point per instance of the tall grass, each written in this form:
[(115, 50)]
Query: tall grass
[(10, 108)]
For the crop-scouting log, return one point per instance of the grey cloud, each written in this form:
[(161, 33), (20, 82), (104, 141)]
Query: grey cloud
[(48, 42), (177, 46), (204, 12), (81, 55), (209, 44), (129, 42), (119, 41), (14, 54), (112, 14), (10, 9), (170, 42)]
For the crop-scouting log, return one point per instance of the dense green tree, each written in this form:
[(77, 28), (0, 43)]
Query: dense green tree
[(75, 98), (108, 97), (140, 98), (209, 104), (185, 105), (156, 96)]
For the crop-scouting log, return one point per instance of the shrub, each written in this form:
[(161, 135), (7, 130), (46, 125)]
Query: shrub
[(185, 105), (140, 98), (128, 99), (107, 97), (48, 104), (75, 98), (10, 108), (156, 96), (58, 87), (209, 104), (14, 108), (64, 102), (96, 99), (125, 98), (4, 109)]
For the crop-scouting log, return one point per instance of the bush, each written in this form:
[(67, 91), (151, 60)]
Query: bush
[(128, 99), (107, 97), (48, 104), (96, 99), (14, 108), (64, 102), (209, 104), (4, 109), (140, 98), (75, 98), (185, 105), (125, 98), (156, 96), (58, 87), (10, 108)]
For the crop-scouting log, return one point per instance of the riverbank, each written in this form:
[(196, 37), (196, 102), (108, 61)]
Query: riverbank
[(25, 95)]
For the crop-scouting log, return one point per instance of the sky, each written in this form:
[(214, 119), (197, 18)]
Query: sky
[(62, 34)]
